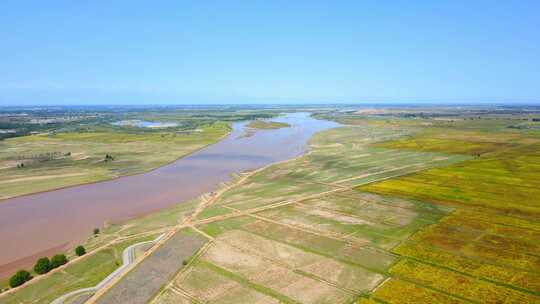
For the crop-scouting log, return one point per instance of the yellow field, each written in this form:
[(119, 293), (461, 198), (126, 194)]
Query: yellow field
[(487, 250)]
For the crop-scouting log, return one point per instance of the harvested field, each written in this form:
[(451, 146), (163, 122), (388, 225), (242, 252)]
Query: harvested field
[(346, 276), (143, 282), (209, 286), (276, 277), (172, 297)]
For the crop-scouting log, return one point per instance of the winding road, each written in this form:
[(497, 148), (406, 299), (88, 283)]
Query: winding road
[(128, 257)]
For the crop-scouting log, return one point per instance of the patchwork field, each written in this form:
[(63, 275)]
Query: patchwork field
[(395, 211), (296, 232), (141, 283), (486, 250)]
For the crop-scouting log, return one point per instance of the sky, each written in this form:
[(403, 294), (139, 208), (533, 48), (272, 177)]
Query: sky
[(215, 52)]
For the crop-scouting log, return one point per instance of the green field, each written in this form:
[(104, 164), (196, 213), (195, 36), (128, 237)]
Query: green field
[(265, 125), (58, 160), (68, 147)]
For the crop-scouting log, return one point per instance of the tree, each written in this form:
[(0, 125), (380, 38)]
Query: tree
[(96, 231), (42, 266), (21, 277), (58, 260), (80, 250)]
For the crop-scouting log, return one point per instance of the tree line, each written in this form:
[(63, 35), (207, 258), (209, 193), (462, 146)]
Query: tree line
[(44, 265)]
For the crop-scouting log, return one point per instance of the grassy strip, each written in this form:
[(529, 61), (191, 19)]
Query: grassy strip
[(81, 157), (86, 272), (266, 125)]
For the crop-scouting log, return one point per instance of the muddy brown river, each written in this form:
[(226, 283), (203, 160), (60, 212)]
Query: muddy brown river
[(46, 223)]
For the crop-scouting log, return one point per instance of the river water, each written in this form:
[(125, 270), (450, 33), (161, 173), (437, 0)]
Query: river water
[(45, 223)]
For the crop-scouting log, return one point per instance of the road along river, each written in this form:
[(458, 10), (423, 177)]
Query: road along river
[(46, 223)]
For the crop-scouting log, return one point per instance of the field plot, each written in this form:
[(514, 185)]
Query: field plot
[(172, 297), (295, 232), (487, 249), (457, 284), (397, 291), (339, 158), (334, 247), (142, 283), (357, 218), (328, 249), (214, 287)]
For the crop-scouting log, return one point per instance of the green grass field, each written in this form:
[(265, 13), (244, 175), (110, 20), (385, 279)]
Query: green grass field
[(265, 125), (58, 160)]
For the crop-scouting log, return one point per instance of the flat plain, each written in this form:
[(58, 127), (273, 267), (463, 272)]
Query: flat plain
[(486, 250), (382, 210), (297, 232)]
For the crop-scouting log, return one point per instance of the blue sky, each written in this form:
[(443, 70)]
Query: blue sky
[(198, 52)]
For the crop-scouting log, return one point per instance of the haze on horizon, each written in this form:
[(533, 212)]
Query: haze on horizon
[(193, 52)]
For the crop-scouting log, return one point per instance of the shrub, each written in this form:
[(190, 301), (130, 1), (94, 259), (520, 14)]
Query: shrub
[(42, 266), (96, 231), (21, 277), (80, 250), (58, 260)]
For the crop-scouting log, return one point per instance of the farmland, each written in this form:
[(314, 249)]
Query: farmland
[(318, 240), (487, 248), (383, 210)]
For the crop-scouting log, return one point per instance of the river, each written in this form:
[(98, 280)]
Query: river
[(46, 223)]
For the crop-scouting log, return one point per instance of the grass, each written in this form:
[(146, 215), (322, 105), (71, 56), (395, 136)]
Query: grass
[(86, 272), (74, 158), (266, 125)]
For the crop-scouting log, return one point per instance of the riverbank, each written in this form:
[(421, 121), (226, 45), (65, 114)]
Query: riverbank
[(157, 222), (53, 162), (89, 206)]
